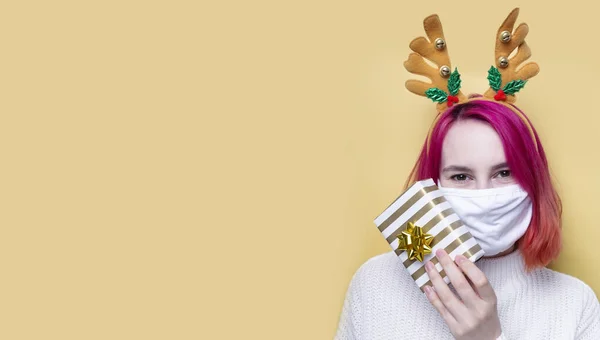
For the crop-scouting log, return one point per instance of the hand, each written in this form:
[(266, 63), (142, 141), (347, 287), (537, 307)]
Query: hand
[(474, 315)]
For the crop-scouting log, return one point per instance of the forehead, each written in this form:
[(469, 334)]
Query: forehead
[(472, 143)]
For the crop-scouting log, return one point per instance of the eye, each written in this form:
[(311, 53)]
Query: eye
[(504, 174), (459, 177)]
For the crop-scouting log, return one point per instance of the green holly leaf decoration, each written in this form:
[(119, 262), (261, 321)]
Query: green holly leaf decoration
[(514, 86), (494, 78), (436, 95), (454, 82)]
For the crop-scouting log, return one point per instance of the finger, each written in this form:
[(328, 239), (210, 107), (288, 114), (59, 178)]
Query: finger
[(473, 287), (439, 306), (447, 297), (458, 279), (477, 277)]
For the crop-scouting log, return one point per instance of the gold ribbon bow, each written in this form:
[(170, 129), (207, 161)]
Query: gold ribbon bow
[(415, 242)]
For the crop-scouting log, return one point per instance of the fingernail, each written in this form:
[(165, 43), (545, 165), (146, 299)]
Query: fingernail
[(460, 259), (427, 291), (429, 265), (440, 253)]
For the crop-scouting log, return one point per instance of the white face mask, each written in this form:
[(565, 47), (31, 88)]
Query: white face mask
[(496, 217)]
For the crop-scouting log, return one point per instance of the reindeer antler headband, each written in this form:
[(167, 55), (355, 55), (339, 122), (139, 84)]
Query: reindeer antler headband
[(504, 78)]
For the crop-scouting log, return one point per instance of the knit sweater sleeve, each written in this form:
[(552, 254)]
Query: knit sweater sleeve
[(588, 327), (349, 327)]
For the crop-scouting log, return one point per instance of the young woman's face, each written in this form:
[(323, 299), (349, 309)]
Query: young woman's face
[(473, 157)]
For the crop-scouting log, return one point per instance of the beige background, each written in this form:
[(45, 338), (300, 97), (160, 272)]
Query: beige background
[(177, 170)]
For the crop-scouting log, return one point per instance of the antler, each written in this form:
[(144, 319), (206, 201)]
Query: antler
[(440, 89), (505, 80)]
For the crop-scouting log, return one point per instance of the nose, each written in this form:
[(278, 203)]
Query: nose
[(483, 184)]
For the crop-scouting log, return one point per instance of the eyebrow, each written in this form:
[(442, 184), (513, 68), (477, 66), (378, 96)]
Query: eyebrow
[(459, 168), (500, 166)]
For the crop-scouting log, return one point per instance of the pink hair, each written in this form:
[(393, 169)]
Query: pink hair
[(541, 243)]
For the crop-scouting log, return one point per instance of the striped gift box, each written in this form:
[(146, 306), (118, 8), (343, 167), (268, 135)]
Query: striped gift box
[(424, 205)]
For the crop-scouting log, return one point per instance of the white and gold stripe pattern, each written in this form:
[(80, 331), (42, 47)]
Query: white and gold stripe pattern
[(424, 205)]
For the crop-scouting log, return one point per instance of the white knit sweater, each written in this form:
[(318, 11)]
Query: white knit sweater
[(383, 302)]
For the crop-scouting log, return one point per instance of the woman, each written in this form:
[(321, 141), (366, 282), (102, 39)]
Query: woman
[(481, 149), (479, 145)]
